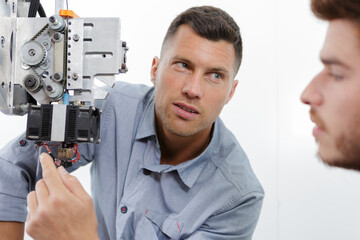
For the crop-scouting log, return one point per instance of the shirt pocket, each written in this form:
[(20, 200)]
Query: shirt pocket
[(167, 227)]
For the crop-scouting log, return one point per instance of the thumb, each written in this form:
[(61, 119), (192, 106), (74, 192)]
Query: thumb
[(72, 184)]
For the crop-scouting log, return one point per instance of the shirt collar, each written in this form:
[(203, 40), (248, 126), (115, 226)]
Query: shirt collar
[(188, 171), (147, 126)]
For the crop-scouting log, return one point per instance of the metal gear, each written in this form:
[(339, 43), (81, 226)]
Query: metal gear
[(33, 53)]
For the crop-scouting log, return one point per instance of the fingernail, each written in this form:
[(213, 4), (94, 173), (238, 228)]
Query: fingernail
[(63, 171), (41, 157)]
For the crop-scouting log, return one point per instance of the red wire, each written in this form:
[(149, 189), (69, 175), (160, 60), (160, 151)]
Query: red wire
[(75, 150)]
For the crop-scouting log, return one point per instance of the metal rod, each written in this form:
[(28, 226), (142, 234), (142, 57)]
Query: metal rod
[(59, 4)]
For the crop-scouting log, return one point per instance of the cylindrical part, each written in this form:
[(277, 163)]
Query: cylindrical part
[(32, 83), (54, 90), (66, 99), (56, 23)]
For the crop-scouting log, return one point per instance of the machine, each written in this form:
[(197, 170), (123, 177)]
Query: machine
[(50, 69)]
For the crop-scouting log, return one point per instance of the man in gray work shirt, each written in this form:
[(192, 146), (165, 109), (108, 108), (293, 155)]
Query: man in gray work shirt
[(167, 166)]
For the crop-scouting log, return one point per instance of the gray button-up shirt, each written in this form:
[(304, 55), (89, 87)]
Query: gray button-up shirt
[(214, 196)]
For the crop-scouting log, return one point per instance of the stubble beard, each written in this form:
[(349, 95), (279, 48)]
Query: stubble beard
[(349, 147), (168, 122), (348, 144)]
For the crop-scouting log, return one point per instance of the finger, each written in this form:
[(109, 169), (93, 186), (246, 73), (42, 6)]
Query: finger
[(50, 174), (42, 192), (72, 184), (32, 202)]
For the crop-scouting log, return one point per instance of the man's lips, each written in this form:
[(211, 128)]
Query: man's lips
[(185, 111), (317, 131), (187, 108), (319, 123)]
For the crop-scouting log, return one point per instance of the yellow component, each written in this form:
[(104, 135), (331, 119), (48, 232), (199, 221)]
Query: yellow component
[(68, 13)]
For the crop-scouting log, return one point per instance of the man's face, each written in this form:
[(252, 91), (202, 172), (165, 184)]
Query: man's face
[(334, 97), (193, 81)]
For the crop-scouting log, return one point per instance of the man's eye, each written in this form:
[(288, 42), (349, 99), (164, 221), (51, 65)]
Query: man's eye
[(182, 65), (337, 77), (216, 76)]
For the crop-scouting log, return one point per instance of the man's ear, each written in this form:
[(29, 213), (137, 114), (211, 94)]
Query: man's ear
[(154, 68), (232, 91)]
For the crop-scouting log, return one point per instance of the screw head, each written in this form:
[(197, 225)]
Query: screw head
[(76, 37), (57, 36), (52, 19), (75, 76), (32, 52), (57, 76), (49, 88)]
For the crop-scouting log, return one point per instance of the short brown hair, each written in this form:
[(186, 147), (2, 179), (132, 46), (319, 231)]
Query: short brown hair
[(336, 9), (211, 23)]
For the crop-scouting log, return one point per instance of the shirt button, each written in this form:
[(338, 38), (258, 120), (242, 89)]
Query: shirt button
[(22, 142), (146, 172), (124, 209)]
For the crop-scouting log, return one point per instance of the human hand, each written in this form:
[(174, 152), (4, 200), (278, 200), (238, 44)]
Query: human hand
[(60, 208)]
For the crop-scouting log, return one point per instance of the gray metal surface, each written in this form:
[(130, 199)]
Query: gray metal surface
[(90, 48), (75, 50), (58, 123)]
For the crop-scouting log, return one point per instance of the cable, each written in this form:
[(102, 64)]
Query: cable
[(34, 6), (41, 11)]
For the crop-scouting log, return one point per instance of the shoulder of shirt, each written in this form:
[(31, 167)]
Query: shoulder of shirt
[(130, 90), (233, 164), (124, 90)]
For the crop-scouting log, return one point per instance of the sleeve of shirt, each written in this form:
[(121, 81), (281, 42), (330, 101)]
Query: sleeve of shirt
[(18, 167), (237, 223), (20, 170)]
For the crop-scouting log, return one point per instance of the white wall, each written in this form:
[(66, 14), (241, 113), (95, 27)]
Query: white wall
[(304, 199)]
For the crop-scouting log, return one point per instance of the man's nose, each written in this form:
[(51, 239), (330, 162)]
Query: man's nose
[(312, 94), (193, 86)]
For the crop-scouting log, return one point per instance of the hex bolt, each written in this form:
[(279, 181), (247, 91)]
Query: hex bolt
[(76, 37), (57, 76), (52, 19), (57, 36), (49, 88), (75, 76)]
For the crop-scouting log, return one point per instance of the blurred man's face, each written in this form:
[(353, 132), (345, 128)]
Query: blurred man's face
[(334, 97)]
